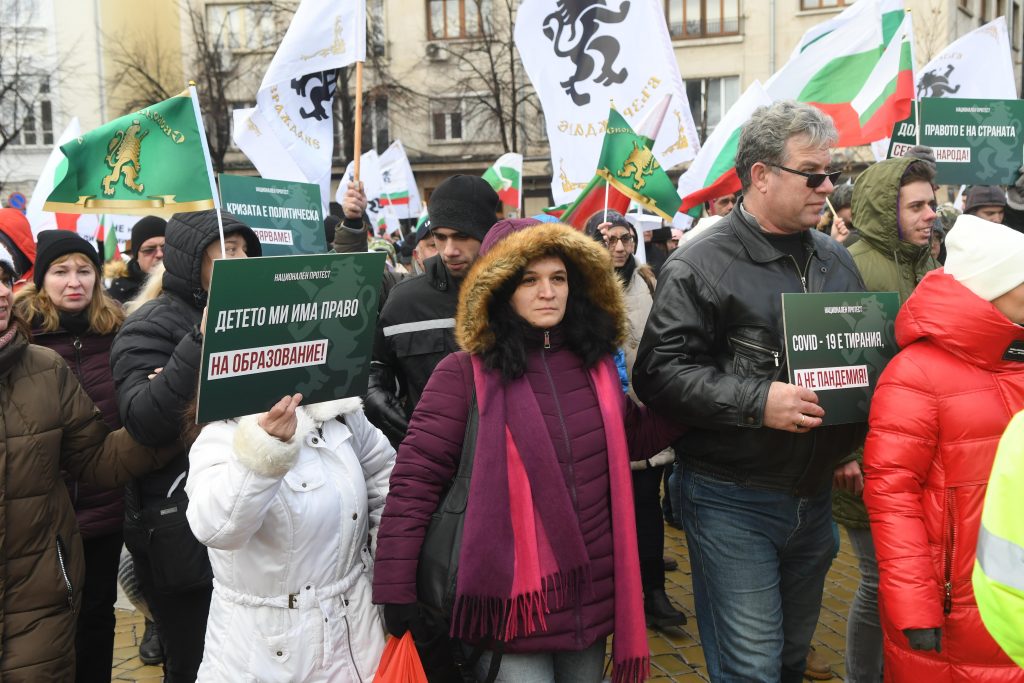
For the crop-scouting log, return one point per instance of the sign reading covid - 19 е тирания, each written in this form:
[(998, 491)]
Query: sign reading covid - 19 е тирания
[(289, 324), (976, 142), (286, 216), (837, 345)]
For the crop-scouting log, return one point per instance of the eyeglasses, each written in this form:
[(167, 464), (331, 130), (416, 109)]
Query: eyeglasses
[(612, 240), (149, 251), (813, 179)]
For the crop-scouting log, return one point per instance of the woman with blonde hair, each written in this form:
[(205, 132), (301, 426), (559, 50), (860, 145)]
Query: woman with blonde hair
[(70, 313)]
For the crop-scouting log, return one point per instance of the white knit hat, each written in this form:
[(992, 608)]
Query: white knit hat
[(7, 261), (986, 258)]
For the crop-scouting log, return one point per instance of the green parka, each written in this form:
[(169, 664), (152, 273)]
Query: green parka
[(887, 264)]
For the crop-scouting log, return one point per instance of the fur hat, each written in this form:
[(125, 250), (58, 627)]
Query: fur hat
[(147, 228), (465, 203), (511, 255), (52, 244), (984, 195), (985, 257)]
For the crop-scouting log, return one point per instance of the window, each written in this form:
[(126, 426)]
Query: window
[(700, 18), (1015, 30), (242, 26), (824, 4), (710, 99), (37, 122), (375, 123), (457, 18), (446, 120), (375, 36)]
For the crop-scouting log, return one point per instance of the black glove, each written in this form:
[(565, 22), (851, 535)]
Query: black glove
[(924, 638), (400, 618), (382, 407)]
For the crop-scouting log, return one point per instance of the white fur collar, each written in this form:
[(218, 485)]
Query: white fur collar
[(322, 412)]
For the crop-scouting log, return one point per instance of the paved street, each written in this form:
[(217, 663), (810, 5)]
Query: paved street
[(676, 657)]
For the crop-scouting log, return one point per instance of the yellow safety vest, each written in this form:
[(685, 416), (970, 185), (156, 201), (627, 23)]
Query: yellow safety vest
[(999, 568)]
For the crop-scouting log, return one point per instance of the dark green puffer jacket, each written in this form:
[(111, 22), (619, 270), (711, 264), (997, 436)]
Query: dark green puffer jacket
[(887, 264)]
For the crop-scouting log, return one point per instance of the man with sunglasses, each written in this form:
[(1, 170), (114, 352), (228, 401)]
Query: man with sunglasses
[(757, 464), (147, 252)]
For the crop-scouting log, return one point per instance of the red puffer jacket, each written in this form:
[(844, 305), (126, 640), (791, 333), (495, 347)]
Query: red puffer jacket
[(935, 422)]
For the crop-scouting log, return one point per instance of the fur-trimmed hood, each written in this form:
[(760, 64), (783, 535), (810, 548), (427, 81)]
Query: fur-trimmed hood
[(508, 257)]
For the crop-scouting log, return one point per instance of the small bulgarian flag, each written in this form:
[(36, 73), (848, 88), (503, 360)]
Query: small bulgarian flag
[(108, 235), (858, 70), (395, 198), (506, 177), (713, 173)]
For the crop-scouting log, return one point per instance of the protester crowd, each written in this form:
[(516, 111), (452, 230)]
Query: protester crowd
[(566, 399)]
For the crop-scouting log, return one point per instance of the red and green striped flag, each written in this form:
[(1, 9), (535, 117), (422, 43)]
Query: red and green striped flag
[(713, 173), (506, 177), (395, 198), (857, 68)]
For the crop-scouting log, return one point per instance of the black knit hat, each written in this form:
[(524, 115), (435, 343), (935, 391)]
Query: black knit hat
[(147, 228), (465, 203), (52, 244)]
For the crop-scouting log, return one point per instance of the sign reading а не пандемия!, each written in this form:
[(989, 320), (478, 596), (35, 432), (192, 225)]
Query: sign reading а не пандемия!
[(837, 345), (976, 142), (287, 324), (286, 216)]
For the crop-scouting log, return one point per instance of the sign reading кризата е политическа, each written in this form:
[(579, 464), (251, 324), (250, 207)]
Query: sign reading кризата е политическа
[(281, 325), (837, 345)]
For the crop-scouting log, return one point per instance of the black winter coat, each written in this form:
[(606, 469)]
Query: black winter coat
[(714, 343), (415, 331), (164, 333), (124, 289)]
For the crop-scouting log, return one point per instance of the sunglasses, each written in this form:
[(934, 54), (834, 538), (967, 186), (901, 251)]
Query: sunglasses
[(612, 240), (149, 251), (813, 179)]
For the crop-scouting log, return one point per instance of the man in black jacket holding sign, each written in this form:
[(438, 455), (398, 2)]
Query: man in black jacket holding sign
[(155, 360), (757, 464)]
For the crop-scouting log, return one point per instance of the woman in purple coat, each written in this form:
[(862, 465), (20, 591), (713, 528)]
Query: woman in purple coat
[(72, 314), (548, 561)]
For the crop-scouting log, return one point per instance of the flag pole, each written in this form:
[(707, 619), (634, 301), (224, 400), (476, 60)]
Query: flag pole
[(606, 184), (357, 134), (209, 165)]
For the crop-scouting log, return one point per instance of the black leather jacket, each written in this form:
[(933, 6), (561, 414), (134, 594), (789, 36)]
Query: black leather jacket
[(714, 343), (415, 331)]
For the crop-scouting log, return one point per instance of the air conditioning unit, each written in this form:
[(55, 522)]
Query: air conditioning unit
[(437, 52)]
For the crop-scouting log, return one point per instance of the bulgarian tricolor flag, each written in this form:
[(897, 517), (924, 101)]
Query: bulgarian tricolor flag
[(506, 177), (395, 198), (857, 68), (713, 173), (106, 234)]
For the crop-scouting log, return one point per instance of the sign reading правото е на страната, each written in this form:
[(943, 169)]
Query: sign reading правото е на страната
[(286, 216), (288, 324), (837, 345), (975, 142)]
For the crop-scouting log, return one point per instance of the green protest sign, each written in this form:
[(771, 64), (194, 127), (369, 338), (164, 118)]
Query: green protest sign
[(837, 345), (976, 142), (286, 216), (277, 326)]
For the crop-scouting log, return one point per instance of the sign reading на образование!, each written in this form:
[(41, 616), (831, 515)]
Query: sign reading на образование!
[(281, 325), (837, 345)]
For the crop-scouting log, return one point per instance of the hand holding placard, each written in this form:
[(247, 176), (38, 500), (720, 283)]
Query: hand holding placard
[(791, 408)]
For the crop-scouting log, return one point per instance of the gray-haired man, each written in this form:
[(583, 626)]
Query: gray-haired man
[(757, 464)]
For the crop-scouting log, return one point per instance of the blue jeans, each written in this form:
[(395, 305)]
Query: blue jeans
[(583, 666), (759, 560), (863, 627)]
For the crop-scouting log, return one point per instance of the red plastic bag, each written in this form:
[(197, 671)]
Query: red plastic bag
[(400, 663)]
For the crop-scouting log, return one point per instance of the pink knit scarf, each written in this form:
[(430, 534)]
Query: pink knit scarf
[(521, 539)]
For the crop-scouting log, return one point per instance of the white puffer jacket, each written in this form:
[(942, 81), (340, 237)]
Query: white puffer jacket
[(288, 526)]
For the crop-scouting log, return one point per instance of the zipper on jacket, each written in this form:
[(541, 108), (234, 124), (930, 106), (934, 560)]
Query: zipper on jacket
[(947, 605), (802, 273), (351, 654), (62, 561), (547, 339), (77, 343), (756, 347), (572, 471)]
